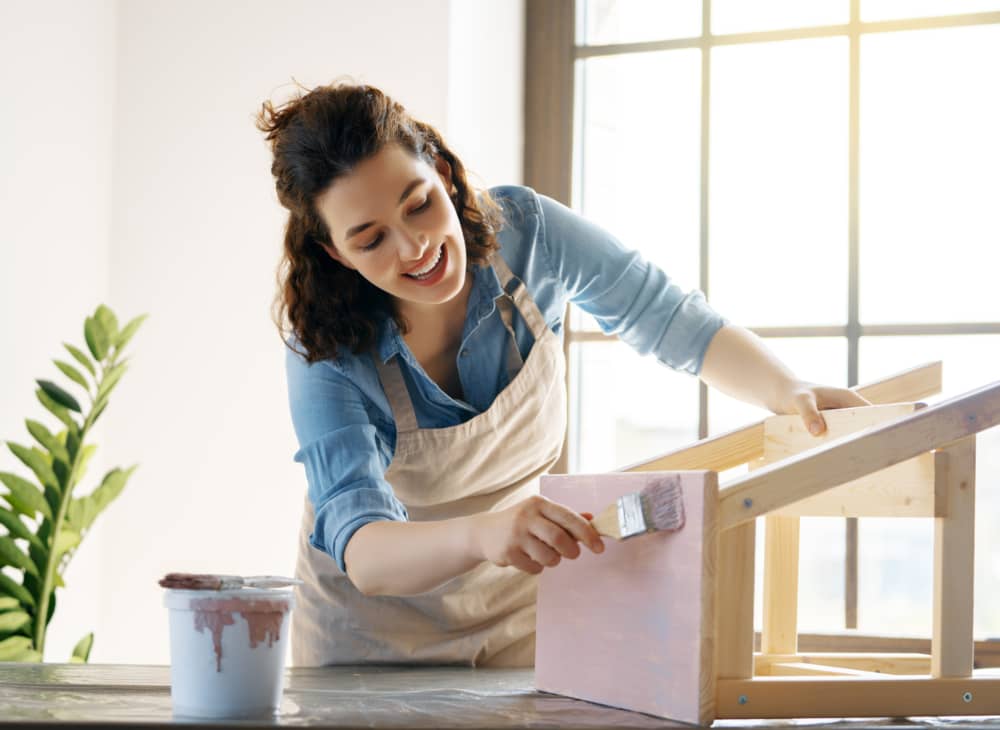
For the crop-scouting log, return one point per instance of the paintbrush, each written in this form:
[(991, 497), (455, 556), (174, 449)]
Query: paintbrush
[(659, 506), (211, 582)]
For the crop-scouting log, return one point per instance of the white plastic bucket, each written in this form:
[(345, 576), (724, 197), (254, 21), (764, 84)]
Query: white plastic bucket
[(227, 651)]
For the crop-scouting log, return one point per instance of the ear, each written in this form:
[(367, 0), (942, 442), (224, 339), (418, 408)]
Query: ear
[(444, 170), (335, 255)]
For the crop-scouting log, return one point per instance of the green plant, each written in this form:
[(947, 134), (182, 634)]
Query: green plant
[(57, 521)]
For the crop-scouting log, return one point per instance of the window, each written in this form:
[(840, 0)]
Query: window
[(828, 172)]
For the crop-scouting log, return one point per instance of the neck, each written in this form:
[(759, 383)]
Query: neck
[(433, 327)]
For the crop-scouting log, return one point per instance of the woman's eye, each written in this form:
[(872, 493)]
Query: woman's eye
[(423, 206), (373, 244)]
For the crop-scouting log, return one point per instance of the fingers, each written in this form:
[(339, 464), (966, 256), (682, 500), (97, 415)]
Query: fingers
[(574, 526), (805, 404)]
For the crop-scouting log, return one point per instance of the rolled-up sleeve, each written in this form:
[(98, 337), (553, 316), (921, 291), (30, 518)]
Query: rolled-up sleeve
[(344, 461), (627, 295)]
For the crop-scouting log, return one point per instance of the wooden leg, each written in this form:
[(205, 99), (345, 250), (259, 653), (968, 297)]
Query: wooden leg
[(734, 603), (954, 550), (779, 632)]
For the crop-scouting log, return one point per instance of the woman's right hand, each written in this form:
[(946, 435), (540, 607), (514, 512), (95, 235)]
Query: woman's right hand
[(534, 534)]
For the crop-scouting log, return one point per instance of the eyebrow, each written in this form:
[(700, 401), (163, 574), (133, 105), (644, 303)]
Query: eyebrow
[(362, 226)]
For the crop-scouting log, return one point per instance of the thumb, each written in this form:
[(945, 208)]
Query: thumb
[(805, 404)]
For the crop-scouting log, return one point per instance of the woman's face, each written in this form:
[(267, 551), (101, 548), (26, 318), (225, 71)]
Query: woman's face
[(392, 221)]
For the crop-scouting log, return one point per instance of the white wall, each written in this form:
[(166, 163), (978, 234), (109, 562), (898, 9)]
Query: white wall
[(191, 233), (57, 77)]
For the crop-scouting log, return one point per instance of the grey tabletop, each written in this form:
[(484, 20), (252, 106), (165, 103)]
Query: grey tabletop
[(335, 697)]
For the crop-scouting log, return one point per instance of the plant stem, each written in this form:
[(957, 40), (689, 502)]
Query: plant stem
[(41, 616)]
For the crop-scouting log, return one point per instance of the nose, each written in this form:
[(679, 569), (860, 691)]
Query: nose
[(414, 245)]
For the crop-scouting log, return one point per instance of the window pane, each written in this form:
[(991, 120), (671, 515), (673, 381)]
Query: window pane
[(891, 9), (740, 16), (930, 176), (894, 590), (778, 185), (625, 408), (640, 156), (634, 21)]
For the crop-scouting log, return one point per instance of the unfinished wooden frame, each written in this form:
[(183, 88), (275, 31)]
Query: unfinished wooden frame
[(900, 459)]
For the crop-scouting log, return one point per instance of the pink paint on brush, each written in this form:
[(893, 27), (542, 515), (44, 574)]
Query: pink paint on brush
[(263, 619), (626, 627)]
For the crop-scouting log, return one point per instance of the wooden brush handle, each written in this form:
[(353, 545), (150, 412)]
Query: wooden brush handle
[(606, 523)]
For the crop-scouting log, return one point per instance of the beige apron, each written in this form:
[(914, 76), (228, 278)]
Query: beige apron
[(486, 616)]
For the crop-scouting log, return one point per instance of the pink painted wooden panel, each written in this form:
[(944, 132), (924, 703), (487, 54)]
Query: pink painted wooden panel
[(628, 627)]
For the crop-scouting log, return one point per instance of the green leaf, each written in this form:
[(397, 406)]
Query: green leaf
[(111, 379), (73, 374), (16, 590), (81, 358), (28, 495), (84, 510), (96, 337), (127, 332), (8, 603), (11, 621), (101, 405), (81, 652), (81, 469), (59, 395), (55, 409), (35, 461), (108, 321), (10, 554), (73, 443), (17, 529), (18, 649), (66, 540), (43, 436)]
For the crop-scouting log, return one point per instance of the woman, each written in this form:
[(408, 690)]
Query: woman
[(426, 380)]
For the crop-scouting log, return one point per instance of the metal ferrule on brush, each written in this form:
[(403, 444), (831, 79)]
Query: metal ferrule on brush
[(631, 521)]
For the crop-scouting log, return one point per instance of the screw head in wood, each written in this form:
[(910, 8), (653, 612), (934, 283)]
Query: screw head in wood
[(743, 699), (967, 697), (748, 503)]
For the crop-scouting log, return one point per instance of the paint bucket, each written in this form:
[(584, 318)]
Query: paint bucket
[(227, 651)]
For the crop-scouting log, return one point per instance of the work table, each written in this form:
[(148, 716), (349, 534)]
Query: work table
[(51, 695)]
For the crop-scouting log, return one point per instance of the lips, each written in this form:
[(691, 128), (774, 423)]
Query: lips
[(427, 264)]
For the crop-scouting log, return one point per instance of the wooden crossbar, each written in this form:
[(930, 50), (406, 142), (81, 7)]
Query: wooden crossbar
[(845, 460), (747, 443)]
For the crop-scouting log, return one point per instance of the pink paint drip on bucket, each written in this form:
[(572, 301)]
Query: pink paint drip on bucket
[(227, 651)]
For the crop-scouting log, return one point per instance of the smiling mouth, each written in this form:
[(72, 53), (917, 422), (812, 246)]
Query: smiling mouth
[(430, 267)]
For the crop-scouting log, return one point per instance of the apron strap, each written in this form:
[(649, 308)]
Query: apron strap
[(395, 390), (515, 290), (514, 360)]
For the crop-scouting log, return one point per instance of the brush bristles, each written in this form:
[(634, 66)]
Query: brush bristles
[(663, 505)]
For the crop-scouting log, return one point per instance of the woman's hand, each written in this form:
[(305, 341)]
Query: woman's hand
[(535, 534), (808, 399)]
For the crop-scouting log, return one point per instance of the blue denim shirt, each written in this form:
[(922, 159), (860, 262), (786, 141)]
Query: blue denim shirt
[(341, 415)]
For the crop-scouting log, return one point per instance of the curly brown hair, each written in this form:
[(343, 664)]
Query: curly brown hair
[(317, 138)]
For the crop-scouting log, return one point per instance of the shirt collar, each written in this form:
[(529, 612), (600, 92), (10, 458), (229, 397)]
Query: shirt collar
[(485, 289)]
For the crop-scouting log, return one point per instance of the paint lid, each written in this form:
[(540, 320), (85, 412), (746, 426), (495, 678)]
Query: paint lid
[(250, 599)]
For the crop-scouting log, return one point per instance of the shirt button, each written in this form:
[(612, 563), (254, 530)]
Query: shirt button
[(464, 353)]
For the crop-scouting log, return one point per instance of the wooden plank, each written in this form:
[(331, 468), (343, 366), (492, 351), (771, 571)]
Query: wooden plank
[(744, 444), (987, 651), (779, 630), (629, 627), (805, 669), (954, 550), (903, 490), (734, 636), (812, 472), (886, 662), (778, 697)]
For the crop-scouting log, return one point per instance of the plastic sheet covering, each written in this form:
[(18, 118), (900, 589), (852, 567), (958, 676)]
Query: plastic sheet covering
[(346, 697)]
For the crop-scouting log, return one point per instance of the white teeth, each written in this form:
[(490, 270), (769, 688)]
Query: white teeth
[(426, 270)]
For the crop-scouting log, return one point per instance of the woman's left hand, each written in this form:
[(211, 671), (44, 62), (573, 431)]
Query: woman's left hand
[(808, 399)]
